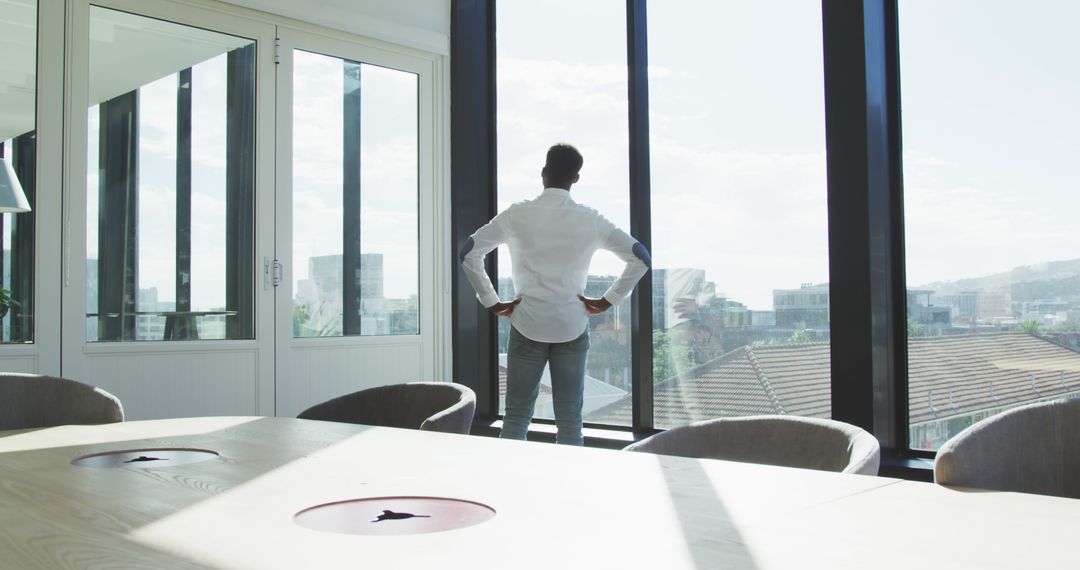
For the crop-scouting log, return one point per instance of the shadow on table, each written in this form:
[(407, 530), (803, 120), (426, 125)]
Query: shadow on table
[(711, 535)]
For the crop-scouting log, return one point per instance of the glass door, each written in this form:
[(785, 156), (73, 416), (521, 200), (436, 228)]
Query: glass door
[(170, 171), (354, 298)]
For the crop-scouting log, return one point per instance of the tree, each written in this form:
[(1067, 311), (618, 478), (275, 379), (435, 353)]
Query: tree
[(915, 329), (1030, 327), (669, 359), (6, 301), (301, 315), (800, 336), (606, 353)]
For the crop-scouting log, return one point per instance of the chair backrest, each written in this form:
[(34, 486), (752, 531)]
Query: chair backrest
[(34, 401), (789, 441), (1029, 449), (429, 406)]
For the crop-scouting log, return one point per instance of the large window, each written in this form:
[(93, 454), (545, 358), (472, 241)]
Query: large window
[(739, 220), (911, 285), (993, 267), (355, 198), (740, 256), (18, 149), (170, 200), (568, 87)]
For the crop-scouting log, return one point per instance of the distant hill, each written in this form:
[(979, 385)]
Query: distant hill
[(1026, 283)]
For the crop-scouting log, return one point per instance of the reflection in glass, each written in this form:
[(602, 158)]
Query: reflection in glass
[(739, 221), (990, 188), (18, 148), (355, 198), (170, 180), (569, 90)]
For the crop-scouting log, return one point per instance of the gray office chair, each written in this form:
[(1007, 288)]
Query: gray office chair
[(428, 406), (34, 401), (789, 441), (1030, 449)]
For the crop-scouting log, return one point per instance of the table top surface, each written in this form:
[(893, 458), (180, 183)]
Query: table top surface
[(556, 507)]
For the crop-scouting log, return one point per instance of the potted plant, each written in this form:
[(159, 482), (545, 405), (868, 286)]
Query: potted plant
[(6, 301)]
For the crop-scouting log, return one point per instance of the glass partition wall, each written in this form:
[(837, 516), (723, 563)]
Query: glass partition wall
[(231, 199), (170, 206), (18, 149)]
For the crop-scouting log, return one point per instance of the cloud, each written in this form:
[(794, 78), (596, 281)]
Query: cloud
[(755, 221), (157, 118), (965, 220), (209, 112), (543, 102), (156, 227), (560, 87)]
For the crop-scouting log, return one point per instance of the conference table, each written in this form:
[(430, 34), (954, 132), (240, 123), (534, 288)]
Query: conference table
[(547, 506)]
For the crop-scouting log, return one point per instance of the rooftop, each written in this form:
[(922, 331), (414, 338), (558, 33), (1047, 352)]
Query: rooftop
[(948, 376)]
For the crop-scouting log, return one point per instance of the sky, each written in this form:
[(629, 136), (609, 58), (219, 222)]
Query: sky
[(990, 135), (738, 135)]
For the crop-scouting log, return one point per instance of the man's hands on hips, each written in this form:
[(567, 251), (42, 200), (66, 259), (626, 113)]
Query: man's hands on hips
[(504, 309), (595, 306)]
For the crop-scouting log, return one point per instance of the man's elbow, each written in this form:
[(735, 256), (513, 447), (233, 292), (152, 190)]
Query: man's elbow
[(465, 249), (643, 254)]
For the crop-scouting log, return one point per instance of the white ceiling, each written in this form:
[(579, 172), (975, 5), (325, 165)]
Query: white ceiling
[(422, 24), (163, 47)]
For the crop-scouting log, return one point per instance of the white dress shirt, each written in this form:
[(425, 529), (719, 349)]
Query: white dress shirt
[(552, 240)]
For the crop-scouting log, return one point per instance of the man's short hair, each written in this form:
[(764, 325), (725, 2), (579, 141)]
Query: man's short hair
[(563, 162)]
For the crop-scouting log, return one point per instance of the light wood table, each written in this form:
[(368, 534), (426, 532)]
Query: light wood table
[(557, 507)]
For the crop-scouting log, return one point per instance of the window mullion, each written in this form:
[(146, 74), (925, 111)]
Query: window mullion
[(640, 212)]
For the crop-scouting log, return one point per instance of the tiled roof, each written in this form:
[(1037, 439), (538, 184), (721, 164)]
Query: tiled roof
[(957, 371), (1020, 367)]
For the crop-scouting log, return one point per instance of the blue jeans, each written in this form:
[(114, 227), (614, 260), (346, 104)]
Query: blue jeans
[(525, 362)]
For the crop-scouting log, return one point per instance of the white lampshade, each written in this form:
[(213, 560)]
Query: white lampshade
[(12, 198)]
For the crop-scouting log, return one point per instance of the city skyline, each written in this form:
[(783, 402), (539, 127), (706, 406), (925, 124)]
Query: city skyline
[(1031, 274)]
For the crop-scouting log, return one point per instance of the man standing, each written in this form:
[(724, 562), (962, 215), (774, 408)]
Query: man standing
[(552, 240)]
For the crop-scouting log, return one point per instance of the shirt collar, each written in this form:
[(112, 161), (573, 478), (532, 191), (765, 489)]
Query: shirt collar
[(557, 192)]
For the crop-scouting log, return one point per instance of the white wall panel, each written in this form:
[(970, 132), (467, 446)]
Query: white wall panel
[(27, 363), (154, 385), (318, 372)]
